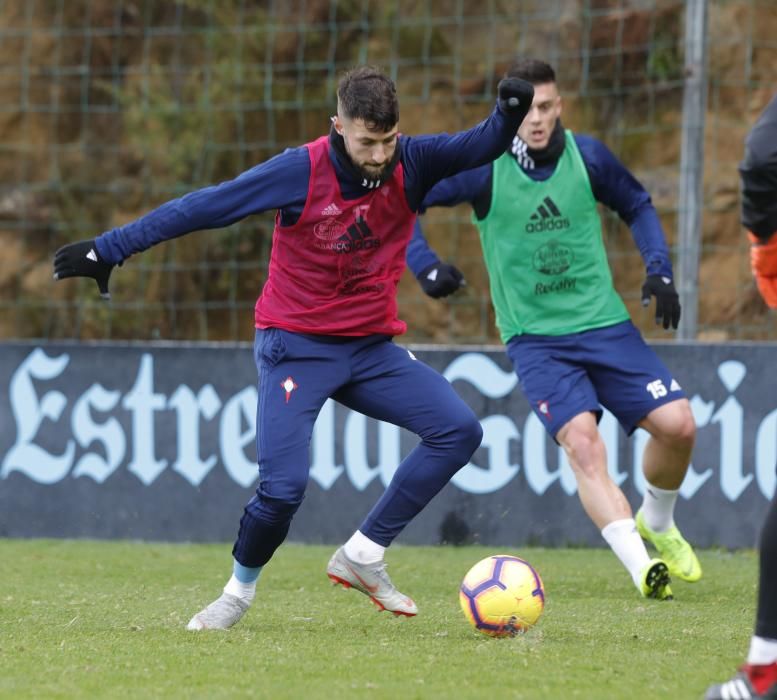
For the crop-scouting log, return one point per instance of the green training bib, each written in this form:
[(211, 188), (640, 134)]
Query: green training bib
[(543, 248)]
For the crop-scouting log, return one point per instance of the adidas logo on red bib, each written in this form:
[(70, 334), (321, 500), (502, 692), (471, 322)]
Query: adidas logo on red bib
[(331, 210)]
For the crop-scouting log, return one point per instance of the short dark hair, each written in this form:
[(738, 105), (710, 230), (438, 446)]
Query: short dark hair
[(367, 93), (532, 71)]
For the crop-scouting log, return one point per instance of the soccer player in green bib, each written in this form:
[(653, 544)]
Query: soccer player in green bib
[(567, 331)]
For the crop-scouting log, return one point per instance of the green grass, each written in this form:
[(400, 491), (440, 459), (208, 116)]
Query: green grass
[(106, 619)]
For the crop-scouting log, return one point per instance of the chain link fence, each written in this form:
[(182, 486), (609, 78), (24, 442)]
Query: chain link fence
[(108, 109)]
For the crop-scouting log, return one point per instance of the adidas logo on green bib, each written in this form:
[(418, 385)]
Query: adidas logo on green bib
[(547, 217)]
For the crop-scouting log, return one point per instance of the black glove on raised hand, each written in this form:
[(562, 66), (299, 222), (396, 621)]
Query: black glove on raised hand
[(440, 280), (515, 95), (81, 259), (667, 299)]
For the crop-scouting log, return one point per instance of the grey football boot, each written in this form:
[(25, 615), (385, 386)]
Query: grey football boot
[(221, 614), (372, 580)]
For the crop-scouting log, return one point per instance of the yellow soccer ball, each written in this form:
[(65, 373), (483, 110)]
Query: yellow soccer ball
[(502, 595)]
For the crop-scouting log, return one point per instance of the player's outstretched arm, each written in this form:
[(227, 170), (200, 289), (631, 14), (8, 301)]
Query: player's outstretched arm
[(491, 138), (82, 259), (277, 183), (431, 158)]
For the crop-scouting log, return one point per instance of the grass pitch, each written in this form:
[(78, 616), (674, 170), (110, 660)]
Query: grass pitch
[(81, 619)]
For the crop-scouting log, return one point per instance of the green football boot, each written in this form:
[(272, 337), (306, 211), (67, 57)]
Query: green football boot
[(673, 549), (654, 582)]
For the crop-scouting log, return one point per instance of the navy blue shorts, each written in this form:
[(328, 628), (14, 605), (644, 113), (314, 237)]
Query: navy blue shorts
[(563, 376)]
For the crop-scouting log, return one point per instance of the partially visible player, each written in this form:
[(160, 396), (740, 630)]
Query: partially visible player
[(567, 331), (757, 678), (327, 315)]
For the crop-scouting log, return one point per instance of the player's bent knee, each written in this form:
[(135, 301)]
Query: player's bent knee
[(458, 436), (469, 435), (580, 438), (586, 452), (680, 430), (687, 429)]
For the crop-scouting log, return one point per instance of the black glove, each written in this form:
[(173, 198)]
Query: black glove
[(515, 95), (440, 280), (667, 299), (81, 259)]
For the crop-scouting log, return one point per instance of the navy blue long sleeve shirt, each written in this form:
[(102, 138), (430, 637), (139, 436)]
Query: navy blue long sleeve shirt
[(612, 184), (281, 183)]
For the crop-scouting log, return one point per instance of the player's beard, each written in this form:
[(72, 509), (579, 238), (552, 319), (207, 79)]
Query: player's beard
[(374, 177), (373, 172)]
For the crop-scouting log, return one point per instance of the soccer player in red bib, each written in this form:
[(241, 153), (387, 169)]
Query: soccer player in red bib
[(346, 204), (757, 678)]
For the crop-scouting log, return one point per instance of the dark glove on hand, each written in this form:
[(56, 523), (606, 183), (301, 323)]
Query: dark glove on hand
[(440, 280), (515, 95), (81, 259), (667, 299)]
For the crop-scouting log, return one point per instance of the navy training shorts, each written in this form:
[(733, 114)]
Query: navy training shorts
[(563, 376)]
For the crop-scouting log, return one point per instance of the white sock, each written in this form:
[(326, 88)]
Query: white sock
[(658, 508), (624, 540), (363, 550), (762, 651), (244, 591)]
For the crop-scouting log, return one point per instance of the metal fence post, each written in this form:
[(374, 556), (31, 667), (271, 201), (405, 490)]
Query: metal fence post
[(691, 194)]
